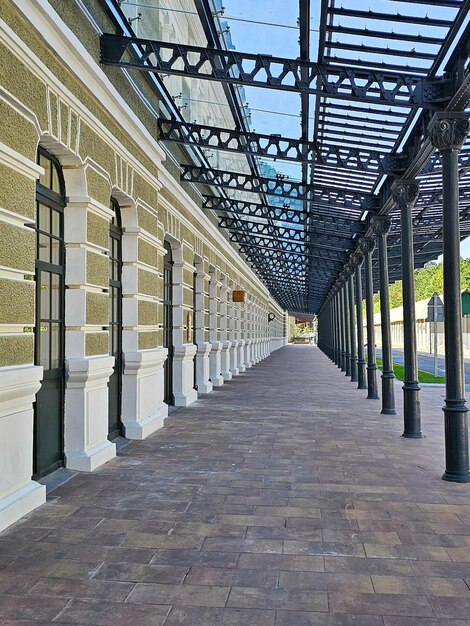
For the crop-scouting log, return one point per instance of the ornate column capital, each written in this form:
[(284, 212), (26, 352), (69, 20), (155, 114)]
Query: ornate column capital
[(448, 130), (367, 245), (380, 224), (357, 258), (405, 192)]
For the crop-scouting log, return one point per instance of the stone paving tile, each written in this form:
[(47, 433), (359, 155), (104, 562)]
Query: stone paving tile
[(111, 614), (186, 595), (298, 618), (180, 616), (302, 507), (294, 599), (232, 577)]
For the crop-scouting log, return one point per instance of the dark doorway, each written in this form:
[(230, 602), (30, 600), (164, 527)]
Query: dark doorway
[(168, 323), (48, 446), (115, 322)]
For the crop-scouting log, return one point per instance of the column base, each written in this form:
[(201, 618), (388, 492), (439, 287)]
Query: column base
[(21, 502), (89, 460), (456, 477), (183, 374), (225, 361), (388, 412), (86, 413), (203, 367), (185, 398), (215, 364), (19, 495), (143, 409), (413, 435), (142, 429), (204, 387)]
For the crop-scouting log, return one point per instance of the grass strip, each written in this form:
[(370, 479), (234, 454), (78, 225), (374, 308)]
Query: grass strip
[(423, 377)]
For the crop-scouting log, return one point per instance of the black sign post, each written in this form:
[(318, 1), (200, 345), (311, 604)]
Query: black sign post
[(435, 315)]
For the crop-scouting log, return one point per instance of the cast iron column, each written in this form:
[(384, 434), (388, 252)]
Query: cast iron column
[(361, 362), (338, 330), (367, 247), (343, 334), (405, 193), (333, 326), (346, 325), (447, 133), (380, 226), (352, 329)]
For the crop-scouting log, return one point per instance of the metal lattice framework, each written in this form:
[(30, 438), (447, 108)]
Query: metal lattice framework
[(365, 105)]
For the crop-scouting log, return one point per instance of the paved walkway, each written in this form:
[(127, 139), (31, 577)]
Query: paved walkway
[(282, 499)]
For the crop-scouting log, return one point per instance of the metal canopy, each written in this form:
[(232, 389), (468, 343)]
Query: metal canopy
[(367, 81)]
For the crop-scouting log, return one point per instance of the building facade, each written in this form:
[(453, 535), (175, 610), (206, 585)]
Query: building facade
[(116, 289)]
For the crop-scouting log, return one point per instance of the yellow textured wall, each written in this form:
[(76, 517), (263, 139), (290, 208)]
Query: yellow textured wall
[(17, 247), (16, 302)]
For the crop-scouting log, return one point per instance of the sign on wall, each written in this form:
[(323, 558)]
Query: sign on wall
[(238, 296), (189, 328)]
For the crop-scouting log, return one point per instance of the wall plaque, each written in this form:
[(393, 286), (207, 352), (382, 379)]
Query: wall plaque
[(238, 296)]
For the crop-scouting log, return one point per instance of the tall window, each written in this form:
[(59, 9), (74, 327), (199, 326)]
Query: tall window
[(115, 320), (168, 322), (49, 326)]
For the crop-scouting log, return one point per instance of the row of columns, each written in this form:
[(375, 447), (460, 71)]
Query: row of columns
[(342, 339)]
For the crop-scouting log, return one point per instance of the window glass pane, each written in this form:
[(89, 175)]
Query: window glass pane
[(44, 218), (43, 338), (55, 345), (55, 251), (44, 295), (55, 296), (45, 179), (55, 180), (44, 244), (56, 219)]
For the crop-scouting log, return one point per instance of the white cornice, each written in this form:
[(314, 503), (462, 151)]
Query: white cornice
[(20, 163)]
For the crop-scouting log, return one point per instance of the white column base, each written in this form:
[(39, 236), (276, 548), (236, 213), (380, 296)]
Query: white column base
[(234, 358), (143, 409), (183, 374), (215, 364), (241, 356), (19, 495), (248, 348), (89, 460), (203, 383), (86, 443), (21, 502), (225, 360)]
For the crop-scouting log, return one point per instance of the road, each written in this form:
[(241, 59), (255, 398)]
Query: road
[(426, 363)]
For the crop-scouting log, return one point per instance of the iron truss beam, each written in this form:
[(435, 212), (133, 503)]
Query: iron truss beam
[(271, 186), (285, 235), (291, 248), (319, 223), (258, 70), (269, 146)]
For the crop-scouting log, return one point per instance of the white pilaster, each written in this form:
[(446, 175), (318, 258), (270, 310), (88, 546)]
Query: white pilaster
[(183, 374), (86, 443), (143, 409), (18, 493), (204, 385), (215, 364)]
